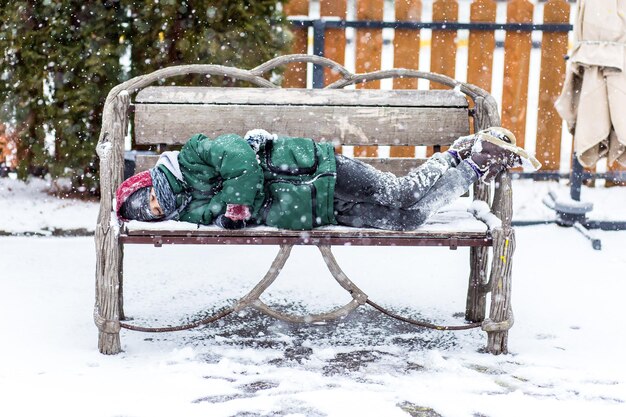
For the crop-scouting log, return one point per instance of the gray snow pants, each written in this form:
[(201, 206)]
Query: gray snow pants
[(367, 197)]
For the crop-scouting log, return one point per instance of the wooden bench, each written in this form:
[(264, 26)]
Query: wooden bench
[(170, 115)]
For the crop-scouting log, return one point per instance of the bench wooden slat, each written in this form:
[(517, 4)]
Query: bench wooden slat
[(194, 239), (262, 236), (397, 166), (298, 96), (335, 231), (175, 123)]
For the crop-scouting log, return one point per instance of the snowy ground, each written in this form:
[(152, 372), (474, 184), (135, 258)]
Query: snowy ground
[(566, 345), (30, 208)]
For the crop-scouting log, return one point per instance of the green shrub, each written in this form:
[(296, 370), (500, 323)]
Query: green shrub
[(59, 59)]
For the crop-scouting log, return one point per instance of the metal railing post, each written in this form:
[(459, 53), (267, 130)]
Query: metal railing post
[(576, 179), (319, 26)]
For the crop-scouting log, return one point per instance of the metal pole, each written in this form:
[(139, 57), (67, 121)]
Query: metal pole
[(319, 26), (576, 179)]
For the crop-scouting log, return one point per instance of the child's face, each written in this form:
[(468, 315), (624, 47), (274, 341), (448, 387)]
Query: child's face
[(155, 208)]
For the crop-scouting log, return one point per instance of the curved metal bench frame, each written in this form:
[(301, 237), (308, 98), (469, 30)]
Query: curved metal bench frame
[(108, 309)]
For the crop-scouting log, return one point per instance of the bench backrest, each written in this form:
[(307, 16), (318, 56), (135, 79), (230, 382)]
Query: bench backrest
[(170, 115)]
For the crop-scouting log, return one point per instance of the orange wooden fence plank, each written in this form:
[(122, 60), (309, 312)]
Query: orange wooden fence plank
[(443, 44), (334, 39), (615, 166), (517, 46), (369, 46), (481, 45), (295, 74), (553, 51), (369, 42), (406, 42), (406, 52)]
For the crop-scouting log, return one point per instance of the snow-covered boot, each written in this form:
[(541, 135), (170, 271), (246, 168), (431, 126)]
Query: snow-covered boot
[(494, 150)]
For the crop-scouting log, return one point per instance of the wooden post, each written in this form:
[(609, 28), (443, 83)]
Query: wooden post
[(476, 302), (295, 74), (109, 252), (517, 46), (503, 199), (406, 53), (369, 47), (500, 315), (553, 51), (443, 44), (334, 39)]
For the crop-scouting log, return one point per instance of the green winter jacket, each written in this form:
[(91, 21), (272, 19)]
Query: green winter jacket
[(299, 183), (289, 184)]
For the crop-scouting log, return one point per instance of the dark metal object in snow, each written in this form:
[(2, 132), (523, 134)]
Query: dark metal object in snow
[(573, 212)]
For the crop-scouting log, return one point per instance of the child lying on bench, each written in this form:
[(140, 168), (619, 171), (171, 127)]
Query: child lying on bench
[(296, 183)]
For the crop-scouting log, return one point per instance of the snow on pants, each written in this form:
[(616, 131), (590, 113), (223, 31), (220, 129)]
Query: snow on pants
[(367, 197)]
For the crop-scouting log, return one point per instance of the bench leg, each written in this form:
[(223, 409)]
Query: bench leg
[(501, 315), (109, 252), (252, 298), (477, 292), (107, 311), (120, 291)]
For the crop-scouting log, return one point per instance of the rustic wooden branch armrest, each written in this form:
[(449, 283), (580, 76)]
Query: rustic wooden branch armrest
[(170, 115)]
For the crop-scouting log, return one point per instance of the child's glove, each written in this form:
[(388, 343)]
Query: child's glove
[(257, 137), (236, 217), (237, 212)]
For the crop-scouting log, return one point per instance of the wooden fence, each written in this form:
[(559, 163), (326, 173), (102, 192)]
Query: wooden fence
[(481, 22)]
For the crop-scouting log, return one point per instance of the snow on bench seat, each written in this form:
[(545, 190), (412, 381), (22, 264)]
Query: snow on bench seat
[(454, 225)]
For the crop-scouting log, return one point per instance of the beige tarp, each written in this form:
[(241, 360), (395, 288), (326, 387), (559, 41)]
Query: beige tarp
[(593, 100)]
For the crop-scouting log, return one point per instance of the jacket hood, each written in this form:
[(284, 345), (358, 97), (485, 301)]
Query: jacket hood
[(128, 188), (169, 160)]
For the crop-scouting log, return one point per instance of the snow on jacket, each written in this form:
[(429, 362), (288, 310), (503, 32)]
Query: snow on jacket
[(289, 184)]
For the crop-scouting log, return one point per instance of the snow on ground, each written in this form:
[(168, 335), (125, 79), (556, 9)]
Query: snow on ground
[(566, 345), (608, 203), (28, 208)]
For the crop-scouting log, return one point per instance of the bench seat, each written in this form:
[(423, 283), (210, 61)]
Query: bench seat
[(453, 226)]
